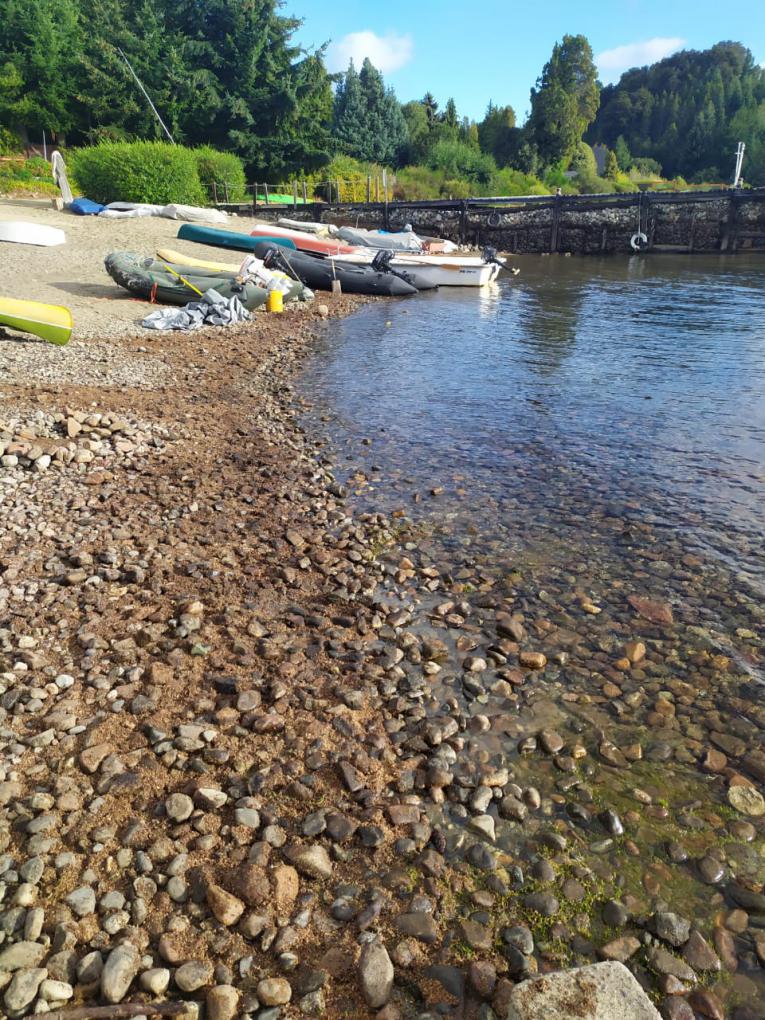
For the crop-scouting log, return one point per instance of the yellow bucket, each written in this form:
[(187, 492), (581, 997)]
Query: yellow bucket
[(275, 301)]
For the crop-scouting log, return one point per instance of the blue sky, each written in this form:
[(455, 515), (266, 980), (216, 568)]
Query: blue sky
[(495, 49)]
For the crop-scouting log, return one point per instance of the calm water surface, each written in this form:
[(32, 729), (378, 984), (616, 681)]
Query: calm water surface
[(591, 428), (581, 382)]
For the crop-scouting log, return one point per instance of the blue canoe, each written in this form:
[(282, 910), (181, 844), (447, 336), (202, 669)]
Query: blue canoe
[(227, 238)]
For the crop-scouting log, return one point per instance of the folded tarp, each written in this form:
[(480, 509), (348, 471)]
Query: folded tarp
[(211, 310), (84, 207), (128, 210), (405, 241)]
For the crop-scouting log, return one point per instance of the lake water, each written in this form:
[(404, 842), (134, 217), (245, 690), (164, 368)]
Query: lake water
[(589, 430)]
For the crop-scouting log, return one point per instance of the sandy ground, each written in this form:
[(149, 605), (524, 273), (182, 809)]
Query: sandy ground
[(74, 275)]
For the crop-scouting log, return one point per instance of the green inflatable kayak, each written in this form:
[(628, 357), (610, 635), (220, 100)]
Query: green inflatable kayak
[(167, 288), (227, 238)]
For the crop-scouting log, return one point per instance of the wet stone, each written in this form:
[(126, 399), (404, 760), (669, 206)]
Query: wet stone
[(711, 870), (672, 928), (664, 962), (699, 954), (620, 949)]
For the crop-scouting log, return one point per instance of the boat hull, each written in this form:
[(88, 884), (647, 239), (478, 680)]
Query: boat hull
[(18, 232), (319, 274), (303, 241), (50, 322), (433, 271), (225, 238)]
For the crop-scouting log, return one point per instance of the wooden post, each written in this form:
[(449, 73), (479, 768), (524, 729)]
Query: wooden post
[(691, 230), (305, 193), (294, 194), (337, 185), (215, 193), (385, 192), (463, 220), (225, 190), (377, 188), (265, 193), (555, 223), (369, 188)]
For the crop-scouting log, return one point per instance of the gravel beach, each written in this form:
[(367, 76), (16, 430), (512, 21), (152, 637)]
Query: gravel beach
[(244, 762)]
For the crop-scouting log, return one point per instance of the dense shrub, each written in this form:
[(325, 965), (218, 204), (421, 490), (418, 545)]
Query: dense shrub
[(417, 184), (154, 172), (20, 176), (10, 143), (348, 176), (513, 182), (222, 175), (458, 161)]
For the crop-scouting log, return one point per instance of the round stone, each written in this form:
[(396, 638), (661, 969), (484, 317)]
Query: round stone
[(179, 807), (747, 800), (274, 991)]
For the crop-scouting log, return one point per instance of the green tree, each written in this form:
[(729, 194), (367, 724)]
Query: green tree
[(386, 127), (368, 120), (623, 155), (497, 133), (680, 110), (565, 99), (612, 166), (39, 45), (431, 106), (418, 132), (348, 118)]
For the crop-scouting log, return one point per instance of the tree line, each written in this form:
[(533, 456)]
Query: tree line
[(229, 74)]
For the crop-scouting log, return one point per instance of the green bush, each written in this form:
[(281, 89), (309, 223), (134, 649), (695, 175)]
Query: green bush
[(417, 184), (350, 176), (508, 181), (154, 172), (20, 176), (222, 175), (10, 143)]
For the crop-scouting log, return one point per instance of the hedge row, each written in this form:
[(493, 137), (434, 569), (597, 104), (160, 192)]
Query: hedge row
[(156, 172)]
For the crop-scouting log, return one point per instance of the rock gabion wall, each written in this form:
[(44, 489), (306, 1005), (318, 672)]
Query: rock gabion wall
[(724, 221)]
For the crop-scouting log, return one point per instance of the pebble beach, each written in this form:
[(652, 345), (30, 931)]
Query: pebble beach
[(267, 753)]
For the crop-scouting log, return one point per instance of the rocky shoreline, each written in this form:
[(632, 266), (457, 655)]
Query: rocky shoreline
[(269, 758)]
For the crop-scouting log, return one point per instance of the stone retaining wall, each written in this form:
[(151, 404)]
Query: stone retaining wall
[(724, 221)]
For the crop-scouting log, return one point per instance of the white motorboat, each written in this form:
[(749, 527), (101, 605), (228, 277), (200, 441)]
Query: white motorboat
[(435, 270), (31, 233)]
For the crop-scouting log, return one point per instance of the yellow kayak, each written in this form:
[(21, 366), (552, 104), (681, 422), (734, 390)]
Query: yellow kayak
[(50, 322), (176, 258)]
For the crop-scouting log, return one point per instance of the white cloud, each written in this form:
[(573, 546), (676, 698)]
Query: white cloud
[(611, 63), (387, 52)]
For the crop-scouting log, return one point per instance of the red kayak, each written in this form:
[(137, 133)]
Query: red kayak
[(304, 241)]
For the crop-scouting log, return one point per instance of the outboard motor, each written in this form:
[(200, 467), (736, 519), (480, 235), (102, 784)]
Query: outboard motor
[(381, 263), (490, 255)]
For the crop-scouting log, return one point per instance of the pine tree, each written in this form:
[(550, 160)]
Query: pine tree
[(368, 122), (622, 152), (497, 133), (565, 100), (612, 166), (39, 45), (349, 114)]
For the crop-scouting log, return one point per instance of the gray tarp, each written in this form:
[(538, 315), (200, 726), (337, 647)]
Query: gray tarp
[(212, 310), (406, 240)]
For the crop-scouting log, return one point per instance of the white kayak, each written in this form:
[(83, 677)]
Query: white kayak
[(435, 270), (19, 232)]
